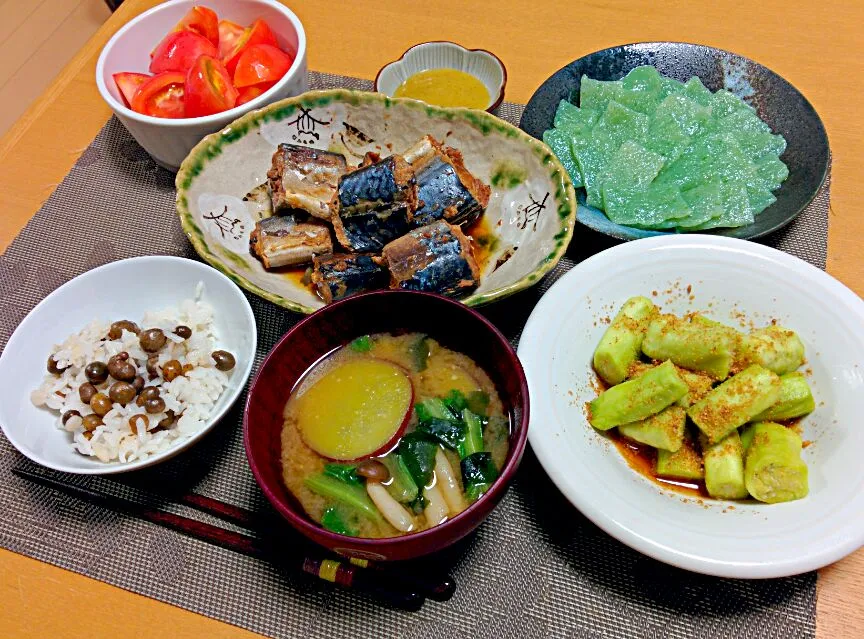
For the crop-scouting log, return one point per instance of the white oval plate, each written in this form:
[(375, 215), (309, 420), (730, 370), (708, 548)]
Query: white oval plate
[(109, 292), (726, 277)]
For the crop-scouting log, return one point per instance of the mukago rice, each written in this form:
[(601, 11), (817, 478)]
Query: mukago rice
[(192, 395)]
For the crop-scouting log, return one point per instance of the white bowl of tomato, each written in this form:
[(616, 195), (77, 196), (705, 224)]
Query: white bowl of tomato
[(183, 70)]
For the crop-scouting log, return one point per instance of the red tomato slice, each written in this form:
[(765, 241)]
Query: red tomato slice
[(179, 50), (128, 84), (250, 93), (258, 33), (161, 96), (261, 63), (229, 33), (208, 88), (202, 21)]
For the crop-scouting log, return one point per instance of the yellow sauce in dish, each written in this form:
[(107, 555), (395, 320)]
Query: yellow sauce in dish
[(445, 87)]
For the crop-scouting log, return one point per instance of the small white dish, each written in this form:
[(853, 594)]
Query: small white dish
[(126, 288), (168, 141), (482, 64), (726, 277)]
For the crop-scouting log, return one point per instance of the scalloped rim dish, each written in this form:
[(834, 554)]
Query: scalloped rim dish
[(563, 204), (496, 95)]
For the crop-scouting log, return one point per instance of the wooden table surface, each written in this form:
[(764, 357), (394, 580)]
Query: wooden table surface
[(817, 46)]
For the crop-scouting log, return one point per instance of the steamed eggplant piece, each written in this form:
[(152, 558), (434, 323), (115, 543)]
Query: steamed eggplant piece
[(340, 275), (376, 204), (305, 178), (445, 188), (437, 258), (283, 241)]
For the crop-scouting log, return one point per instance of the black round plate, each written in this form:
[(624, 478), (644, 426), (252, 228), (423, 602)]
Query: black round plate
[(776, 101)]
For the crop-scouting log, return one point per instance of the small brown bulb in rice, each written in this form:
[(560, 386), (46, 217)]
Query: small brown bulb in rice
[(138, 423), (96, 372), (171, 370), (152, 340), (86, 392), (69, 414), (182, 331), (153, 366), (54, 367), (117, 328), (121, 392), (100, 404), (150, 392), (224, 360), (91, 422), (154, 405), (120, 368)]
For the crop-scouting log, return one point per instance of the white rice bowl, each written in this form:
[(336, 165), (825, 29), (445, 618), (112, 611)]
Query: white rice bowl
[(192, 395)]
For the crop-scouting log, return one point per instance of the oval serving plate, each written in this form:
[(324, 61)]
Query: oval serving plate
[(778, 104), (530, 215), (729, 279)]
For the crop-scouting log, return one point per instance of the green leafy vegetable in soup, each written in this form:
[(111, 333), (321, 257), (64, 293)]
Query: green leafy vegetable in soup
[(392, 435)]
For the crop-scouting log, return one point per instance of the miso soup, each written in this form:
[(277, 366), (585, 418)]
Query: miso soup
[(391, 435)]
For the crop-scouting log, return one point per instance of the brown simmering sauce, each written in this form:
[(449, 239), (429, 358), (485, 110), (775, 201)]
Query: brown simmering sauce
[(296, 275), (483, 241), (643, 459)]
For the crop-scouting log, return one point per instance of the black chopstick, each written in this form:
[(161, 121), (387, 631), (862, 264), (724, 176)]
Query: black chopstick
[(342, 573), (440, 589)]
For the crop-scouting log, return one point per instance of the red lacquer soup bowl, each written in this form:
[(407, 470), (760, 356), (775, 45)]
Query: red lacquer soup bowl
[(451, 324)]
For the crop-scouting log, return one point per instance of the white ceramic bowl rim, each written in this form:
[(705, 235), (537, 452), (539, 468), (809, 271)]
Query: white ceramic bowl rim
[(617, 519), (109, 468), (237, 111)]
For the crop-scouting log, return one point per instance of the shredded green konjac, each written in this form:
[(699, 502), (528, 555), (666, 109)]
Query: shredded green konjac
[(656, 153)]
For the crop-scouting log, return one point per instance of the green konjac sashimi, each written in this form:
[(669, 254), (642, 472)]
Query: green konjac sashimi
[(656, 153)]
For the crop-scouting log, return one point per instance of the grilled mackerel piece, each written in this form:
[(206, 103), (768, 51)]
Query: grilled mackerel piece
[(305, 178), (376, 204), (283, 241), (340, 275), (445, 188), (435, 258)]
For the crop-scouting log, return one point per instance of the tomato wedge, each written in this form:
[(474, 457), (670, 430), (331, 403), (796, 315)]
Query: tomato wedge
[(128, 84), (208, 88), (258, 33), (261, 63), (202, 21), (229, 33), (250, 93), (161, 96), (179, 51)]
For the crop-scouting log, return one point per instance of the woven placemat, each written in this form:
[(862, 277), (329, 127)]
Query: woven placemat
[(536, 568)]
